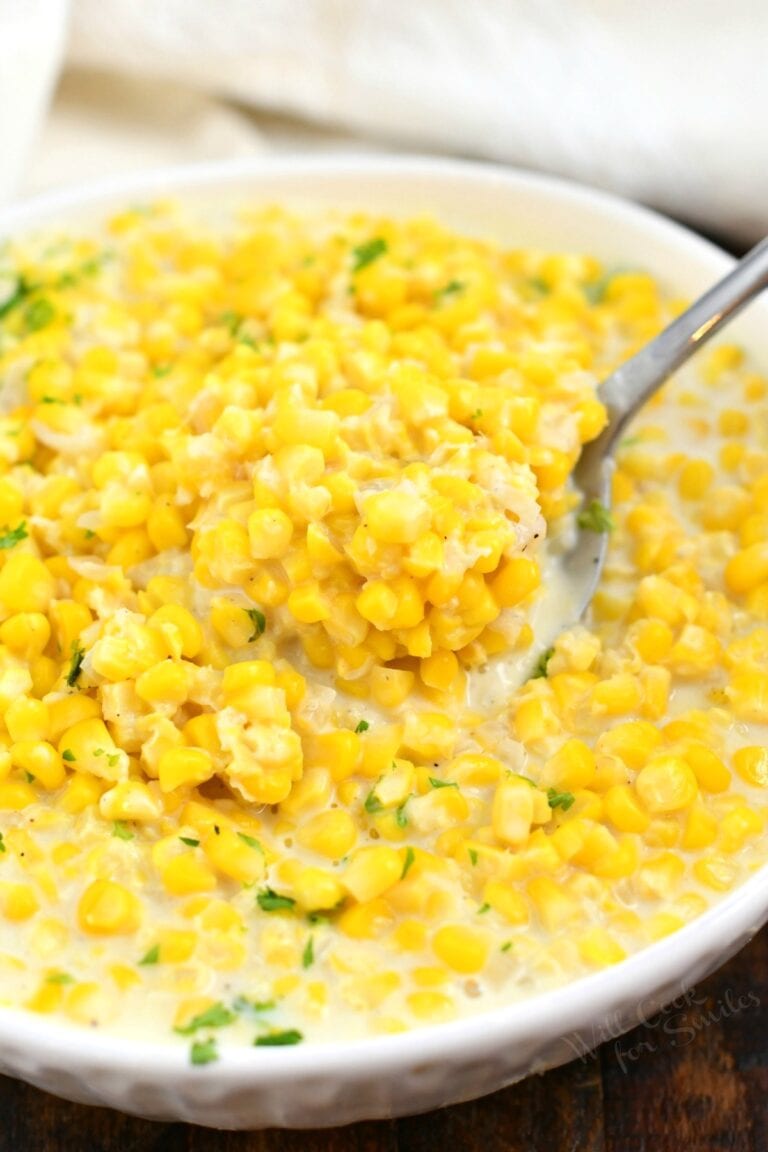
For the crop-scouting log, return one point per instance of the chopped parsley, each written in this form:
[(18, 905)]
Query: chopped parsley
[(400, 817), (472, 856), (562, 800), (29, 778), (308, 955), (442, 783), (410, 859), (259, 621), (12, 536), (538, 285), (231, 321), (365, 254), (271, 901), (59, 978), (38, 314), (121, 830), (2, 843), (450, 289), (251, 841), (483, 909), (595, 518), (372, 803), (506, 946), (243, 1004), (52, 400), (76, 663), (542, 664), (190, 841), (161, 370), (151, 957), (203, 1051), (217, 1016), (68, 755), (362, 726), (19, 294), (278, 1039)]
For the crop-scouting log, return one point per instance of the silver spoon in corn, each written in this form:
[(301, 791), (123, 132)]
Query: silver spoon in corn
[(624, 392)]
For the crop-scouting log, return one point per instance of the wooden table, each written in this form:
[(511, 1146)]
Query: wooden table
[(694, 1079)]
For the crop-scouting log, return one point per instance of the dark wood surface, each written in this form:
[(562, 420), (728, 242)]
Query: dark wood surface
[(692, 1079)]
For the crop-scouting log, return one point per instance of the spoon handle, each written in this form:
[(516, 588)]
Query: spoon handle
[(636, 380)]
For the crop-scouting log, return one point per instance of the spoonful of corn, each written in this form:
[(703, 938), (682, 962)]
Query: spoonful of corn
[(623, 393)]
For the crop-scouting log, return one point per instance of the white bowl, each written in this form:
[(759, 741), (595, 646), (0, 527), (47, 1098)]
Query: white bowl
[(317, 1085)]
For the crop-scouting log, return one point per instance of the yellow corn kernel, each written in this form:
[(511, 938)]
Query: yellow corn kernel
[(716, 871), (185, 875), (26, 633), (391, 686), (666, 784), (507, 901), (41, 760), (234, 854), (175, 945), (372, 871), (109, 909), (88, 747), (710, 772), (27, 719), (513, 811), (26, 585), (130, 800), (747, 569), (429, 734), (624, 811), (317, 890), (599, 948), (751, 763), (18, 901), (572, 767), (396, 517), (82, 791), (748, 693), (365, 921), (184, 768), (180, 629), (553, 904), (411, 935), (694, 479), (269, 532), (331, 834), (463, 949), (516, 579), (166, 683)]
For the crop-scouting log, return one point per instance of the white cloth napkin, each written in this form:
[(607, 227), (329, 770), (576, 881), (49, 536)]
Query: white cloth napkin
[(662, 103)]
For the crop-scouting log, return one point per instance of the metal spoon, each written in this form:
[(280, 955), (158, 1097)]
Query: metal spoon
[(624, 392)]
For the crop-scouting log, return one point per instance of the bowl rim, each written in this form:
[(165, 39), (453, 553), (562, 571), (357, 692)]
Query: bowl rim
[(557, 1012)]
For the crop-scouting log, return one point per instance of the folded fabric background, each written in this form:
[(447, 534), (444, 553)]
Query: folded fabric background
[(663, 103)]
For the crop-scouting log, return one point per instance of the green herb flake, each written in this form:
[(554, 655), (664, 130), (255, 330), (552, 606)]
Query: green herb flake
[(121, 830), (400, 817), (452, 288), (595, 518), (251, 841), (29, 778), (442, 783), (472, 856), (372, 804), (538, 285), (365, 254), (562, 800), (362, 726), (259, 621), (113, 759), (308, 955), (540, 671), (271, 901), (12, 536), (483, 909), (151, 957), (278, 1039), (18, 295), (161, 370), (203, 1051), (52, 400), (89, 534), (217, 1016), (243, 1004), (190, 841), (410, 859), (38, 314), (76, 663), (2, 844), (68, 755), (60, 978), (231, 321), (506, 946)]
